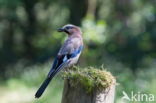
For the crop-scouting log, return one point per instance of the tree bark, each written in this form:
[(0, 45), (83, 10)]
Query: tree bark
[(79, 95)]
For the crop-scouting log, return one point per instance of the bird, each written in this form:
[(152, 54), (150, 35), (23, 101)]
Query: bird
[(67, 56)]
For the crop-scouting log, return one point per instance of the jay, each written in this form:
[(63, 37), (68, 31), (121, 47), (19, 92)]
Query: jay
[(67, 56)]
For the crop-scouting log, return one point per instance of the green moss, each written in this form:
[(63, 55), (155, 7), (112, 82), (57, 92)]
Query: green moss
[(90, 78)]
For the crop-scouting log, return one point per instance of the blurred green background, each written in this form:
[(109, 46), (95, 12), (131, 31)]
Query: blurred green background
[(118, 34)]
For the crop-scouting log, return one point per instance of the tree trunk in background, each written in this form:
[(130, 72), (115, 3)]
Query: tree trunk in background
[(78, 94), (91, 11), (7, 50), (30, 29), (8, 41), (124, 9), (78, 10)]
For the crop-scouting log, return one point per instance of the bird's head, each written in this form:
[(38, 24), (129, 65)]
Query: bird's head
[(70, 29)]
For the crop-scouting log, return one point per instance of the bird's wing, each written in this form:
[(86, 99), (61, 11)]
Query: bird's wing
[(62, 61), (59, 62), (71, 48)]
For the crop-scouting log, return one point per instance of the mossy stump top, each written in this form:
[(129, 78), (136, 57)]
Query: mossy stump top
[(87, 84)]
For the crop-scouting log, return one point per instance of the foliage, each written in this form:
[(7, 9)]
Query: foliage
[(122, 29), (120, 34)]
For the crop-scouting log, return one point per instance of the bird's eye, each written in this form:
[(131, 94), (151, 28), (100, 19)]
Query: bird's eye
[(69, 27)]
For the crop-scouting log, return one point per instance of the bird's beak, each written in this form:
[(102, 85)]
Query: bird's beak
[(60, 30)]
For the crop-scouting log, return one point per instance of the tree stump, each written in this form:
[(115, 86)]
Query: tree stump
[(89, 86)]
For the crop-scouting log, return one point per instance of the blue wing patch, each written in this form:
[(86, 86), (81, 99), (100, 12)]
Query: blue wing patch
[(76, 52), (60, 62)]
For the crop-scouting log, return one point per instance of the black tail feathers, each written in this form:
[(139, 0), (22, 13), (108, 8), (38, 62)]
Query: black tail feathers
[(47, 81), (42, 87)]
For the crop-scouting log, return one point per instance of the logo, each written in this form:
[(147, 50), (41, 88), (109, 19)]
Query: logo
[(138, 96)]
